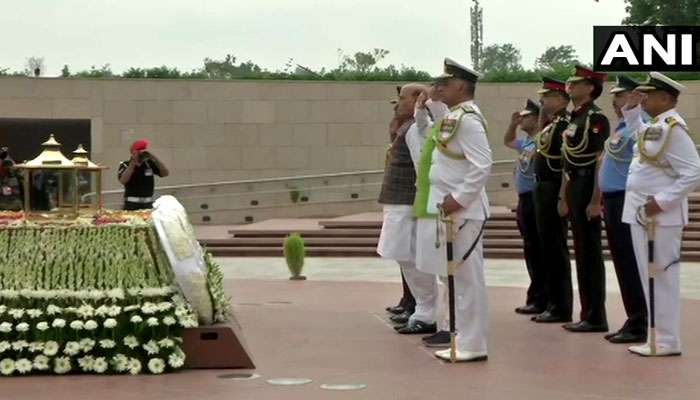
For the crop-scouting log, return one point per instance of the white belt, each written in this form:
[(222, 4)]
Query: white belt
[(139, 199)]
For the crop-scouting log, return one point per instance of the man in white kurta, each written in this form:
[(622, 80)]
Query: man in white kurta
[(664, 170), (460, 166), (398, 236)]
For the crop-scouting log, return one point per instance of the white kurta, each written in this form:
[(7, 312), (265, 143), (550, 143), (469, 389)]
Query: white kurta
[(466, 181), (397, 240), (670, 186)]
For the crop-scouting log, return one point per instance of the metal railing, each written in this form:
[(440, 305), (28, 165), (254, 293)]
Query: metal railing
[(312, 189)]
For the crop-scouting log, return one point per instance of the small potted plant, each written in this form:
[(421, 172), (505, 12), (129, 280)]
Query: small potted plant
[(294, 253)]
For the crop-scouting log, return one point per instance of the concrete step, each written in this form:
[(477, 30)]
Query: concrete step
[(247, 233), (277, 241)]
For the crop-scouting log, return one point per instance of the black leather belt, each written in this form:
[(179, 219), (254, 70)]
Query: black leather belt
[(580, 173)]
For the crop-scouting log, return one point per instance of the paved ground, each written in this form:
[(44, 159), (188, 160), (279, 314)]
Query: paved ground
[(332, 329)]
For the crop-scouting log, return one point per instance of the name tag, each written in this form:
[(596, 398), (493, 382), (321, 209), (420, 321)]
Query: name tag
[(653, 133), (148, 172)]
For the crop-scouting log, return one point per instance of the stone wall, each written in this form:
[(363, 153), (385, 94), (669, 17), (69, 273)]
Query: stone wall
[(208, 131)]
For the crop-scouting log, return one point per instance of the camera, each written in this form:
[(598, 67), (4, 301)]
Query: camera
[(143, 156)]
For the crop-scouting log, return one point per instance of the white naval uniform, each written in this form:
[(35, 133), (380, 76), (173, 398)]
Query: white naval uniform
[(670, 185), (466, 181)]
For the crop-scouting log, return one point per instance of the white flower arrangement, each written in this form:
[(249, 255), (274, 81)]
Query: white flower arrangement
[(100, 365), (136, 319), (177, 359), (169, 321), (34, 313), (86, 345), (108, 343), (4, 346), (86, 363), (36, 347), (23, 366), (22, 327), (53, 309), (42, 326), (166, 343), (19, 345), (120, 363), (152, 321)]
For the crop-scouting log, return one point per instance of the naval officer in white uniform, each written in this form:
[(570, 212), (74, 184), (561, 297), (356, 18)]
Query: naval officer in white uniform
[(457, 170), (664, 170)]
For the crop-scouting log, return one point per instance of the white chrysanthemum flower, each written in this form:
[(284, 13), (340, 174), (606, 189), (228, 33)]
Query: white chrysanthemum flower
[(152, 321), (3, 308), (71, 348), (134, 366), (169, 320), (58, 323), (4, 346), (53, 309), (61, 365), (151, 347), (181, 311), (149, 308), (86, 363), (110, 323), (34, 313), (166, 343), (5, 327), (102, 310), (188, 322), (42, 326), (41, 363), (7, 366), (107, 343), (176, 360), (114, 311), (36, 347), (87, 344), (136, 319), (19, 345), (131, 308), (16, 313), (156, 365), (115, 293), (131, 342), (91, 325), (85, 311), (165, 306), (120, 362), (77, 325), (22, 327), (51, 348), (100, 365), (23, 365)]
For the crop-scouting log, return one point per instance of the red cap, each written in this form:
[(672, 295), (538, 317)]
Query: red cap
[(587, 73), (140, 145)]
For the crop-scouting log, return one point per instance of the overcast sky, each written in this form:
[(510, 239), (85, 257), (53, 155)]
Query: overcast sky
[(145, 33)]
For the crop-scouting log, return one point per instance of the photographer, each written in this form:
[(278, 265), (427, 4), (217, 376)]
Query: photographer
[(137, 175), (10, 184)]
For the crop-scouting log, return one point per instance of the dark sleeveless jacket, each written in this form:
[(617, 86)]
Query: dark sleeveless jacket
[(399, 185)]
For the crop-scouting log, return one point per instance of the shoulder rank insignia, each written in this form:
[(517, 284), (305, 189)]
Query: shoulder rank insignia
[(653, 133)]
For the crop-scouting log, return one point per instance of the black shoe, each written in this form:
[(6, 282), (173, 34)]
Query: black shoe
[(396, 310), (611, 334), (529, 309), (585, 326), (401, 319), (440, 339), (628, 337), (418, 328), (400, 326), (548, 317)]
